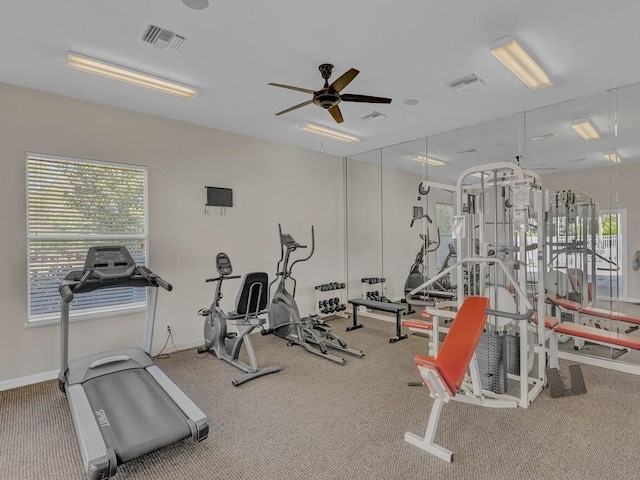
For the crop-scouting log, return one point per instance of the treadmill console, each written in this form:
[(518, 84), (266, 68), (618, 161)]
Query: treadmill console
[(109, 263), (223, 264)]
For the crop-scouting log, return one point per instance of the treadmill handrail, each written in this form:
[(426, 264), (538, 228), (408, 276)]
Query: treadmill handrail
[(75, 282)]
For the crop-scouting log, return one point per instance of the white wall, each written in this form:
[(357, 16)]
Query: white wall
[(271, 183)]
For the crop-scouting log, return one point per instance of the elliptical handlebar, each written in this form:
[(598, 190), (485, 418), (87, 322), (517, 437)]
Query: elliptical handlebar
[(313, 248)]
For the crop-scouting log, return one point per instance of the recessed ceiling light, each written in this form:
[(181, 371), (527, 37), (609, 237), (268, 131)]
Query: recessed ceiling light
[(612, 157), (515, 58), (428, 160), (412, 101), (123, 74), (583, 127), (328, 132)]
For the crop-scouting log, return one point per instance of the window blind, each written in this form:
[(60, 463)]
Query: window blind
[(72, 205)]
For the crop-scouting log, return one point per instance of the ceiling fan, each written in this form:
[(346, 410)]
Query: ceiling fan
[(329, 96)]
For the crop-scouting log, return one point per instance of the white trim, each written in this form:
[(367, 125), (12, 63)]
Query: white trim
[(28, 380)]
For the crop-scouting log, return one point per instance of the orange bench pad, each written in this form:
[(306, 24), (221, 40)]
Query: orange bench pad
[(460, 343), (602, 313), (549, 320), (420, 324), (568, 304), (597, 334)]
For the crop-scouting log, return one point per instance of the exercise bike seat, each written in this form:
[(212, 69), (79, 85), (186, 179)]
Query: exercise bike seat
[(252, 299)]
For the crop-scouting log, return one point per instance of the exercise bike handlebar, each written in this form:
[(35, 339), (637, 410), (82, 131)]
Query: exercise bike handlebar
[(224, 277)]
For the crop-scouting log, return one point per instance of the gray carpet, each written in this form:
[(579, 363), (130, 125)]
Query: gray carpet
[(319, 420)]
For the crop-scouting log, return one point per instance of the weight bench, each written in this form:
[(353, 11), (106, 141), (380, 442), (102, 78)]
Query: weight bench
[(444, 374), (383, 307), (576, 308)]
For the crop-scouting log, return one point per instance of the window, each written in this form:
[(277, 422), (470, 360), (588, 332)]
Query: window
[(611, 264), (444, 219), (74, 204)]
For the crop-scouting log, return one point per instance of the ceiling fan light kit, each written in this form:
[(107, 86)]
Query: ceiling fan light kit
[(328, 132), (515, 58), (329, 96), (127, 75)]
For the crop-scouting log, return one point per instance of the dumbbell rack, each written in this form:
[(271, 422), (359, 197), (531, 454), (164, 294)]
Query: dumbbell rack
[(370, 289), (327, 293), (369, 286)]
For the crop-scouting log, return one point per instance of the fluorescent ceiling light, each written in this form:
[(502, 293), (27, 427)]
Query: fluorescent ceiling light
[(516, 59), (428, 160), (583, 127), (612, 157), (328, 132), (116, 72)]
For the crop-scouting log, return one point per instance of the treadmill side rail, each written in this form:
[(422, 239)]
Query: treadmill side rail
[(183, 402), (92, 447)]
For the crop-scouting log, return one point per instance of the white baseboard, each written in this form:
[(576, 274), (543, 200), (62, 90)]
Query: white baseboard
[(28, 380), (53, 374)]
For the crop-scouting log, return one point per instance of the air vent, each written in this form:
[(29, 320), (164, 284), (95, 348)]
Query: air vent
[(542, 136), (373, 117), (577, 160), (162, 38), (466, 82), (469, 150)]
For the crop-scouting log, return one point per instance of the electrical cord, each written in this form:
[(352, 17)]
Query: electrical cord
[(169, 337)]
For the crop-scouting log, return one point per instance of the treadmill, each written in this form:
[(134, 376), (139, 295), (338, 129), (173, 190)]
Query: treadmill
[(121, 403)]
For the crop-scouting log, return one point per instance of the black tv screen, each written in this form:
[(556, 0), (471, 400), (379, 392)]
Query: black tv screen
[(219, 197)]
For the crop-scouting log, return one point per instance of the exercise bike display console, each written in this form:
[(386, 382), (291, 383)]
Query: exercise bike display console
[(121, 403)]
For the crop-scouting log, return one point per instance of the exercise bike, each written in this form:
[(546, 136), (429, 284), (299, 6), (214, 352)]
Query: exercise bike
[(311, 333), (251, 302)]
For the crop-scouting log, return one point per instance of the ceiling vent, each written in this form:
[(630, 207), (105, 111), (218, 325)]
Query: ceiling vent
[(373, 117), (469, 150), (542, 136), (577, 160), (162, 38), (466, 82)]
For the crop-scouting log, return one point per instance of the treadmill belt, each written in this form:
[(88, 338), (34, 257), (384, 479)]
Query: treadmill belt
[(134, 414)]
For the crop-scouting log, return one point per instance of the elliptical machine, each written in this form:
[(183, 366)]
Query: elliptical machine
[(251, 302), (310, 332)]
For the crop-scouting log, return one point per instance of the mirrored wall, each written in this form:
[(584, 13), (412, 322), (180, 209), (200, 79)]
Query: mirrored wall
[(391, 223)]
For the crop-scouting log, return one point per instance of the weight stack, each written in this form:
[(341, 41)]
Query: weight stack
[(512, 355), (491, 361)]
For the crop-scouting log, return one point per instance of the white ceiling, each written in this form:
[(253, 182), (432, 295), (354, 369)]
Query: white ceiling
[(403, 49)]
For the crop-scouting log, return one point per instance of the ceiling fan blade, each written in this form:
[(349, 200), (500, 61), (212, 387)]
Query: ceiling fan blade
[(349, 97), (336, 114), (305, 90), (344, 79), (295, 106)]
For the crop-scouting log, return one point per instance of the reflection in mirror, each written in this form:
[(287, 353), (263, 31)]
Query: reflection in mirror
[(406, 217), (572, 140)]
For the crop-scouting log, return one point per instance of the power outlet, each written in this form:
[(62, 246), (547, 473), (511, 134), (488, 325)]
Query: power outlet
[(169, 329)]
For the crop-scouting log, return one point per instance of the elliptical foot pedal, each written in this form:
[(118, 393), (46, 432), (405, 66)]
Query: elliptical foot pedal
[(557, 387)]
